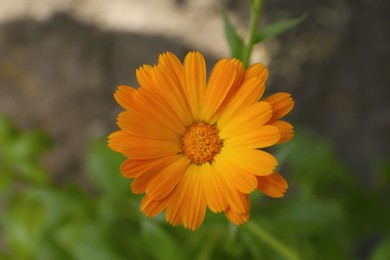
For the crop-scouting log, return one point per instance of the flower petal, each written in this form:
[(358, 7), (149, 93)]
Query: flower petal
[(139, 184), (256, 162), (172, 92), (195, 82), (133, 168), (254, 116), (237, 217), (214, 188), (232, 195), (170, 60), (233, 89), (240, 179), (117, 140), (257, 70), (164, 89), (137, 124), (222, 79), (189, 203), (152, 207), (154, 108), (251, 89), (248, 94), (286, 131), (260, 137), (142, 182), (143, 148), (281, 103), (168, 178), (144, 78), (273, 185), (195, 209), (124, 96)]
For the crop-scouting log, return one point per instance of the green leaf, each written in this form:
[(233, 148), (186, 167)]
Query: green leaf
[(277, 28), (27, 146), (382, 251), (102, 166), (7, 130), (160, 243), (19, 152), (5, 181), (23, 225), (235, 42), (85, 240)]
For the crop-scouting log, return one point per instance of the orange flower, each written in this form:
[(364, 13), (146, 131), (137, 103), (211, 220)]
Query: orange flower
[(192, 144)]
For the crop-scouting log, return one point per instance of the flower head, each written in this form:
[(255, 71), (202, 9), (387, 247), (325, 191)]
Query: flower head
[(192, 144)]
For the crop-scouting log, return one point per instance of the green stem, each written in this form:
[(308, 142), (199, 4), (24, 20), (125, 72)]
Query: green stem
[(269, 239), (255, 16)]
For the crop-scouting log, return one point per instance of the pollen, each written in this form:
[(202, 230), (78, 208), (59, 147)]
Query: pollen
[(201, 142)]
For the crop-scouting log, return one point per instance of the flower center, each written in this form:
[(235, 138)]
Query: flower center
[(201, 142)]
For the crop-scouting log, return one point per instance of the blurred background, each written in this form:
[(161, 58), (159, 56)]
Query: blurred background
[(62, 196)]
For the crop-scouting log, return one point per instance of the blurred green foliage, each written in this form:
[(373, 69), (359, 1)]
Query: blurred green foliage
[(327, 214)]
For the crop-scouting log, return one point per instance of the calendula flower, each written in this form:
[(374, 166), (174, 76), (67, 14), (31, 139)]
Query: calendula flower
[(192, 144)]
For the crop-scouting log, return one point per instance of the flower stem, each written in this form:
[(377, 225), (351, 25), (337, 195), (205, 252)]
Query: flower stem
[(255, 16), (269, 239)]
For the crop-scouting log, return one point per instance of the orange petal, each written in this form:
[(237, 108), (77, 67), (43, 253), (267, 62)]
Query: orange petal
[(195, 208), (143, 148), (273, 185), (175, 207), (247, 94), (172, 93), (195, 82), (256, 162), (281, 103), (221, 82), (132, 168), (238, 218), (232, 92), (235, 217), (155, 108), (168, 178), (137, 124), (152, 207), (244, 121), (163, 97), (170, 60), (286, 131), (142, 182), (231, 194), (259, 137), (124, 96), (240, 179), (139, 184), (188, 204), (144, 78), (117, 140), (214, 188), (257, 70)]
